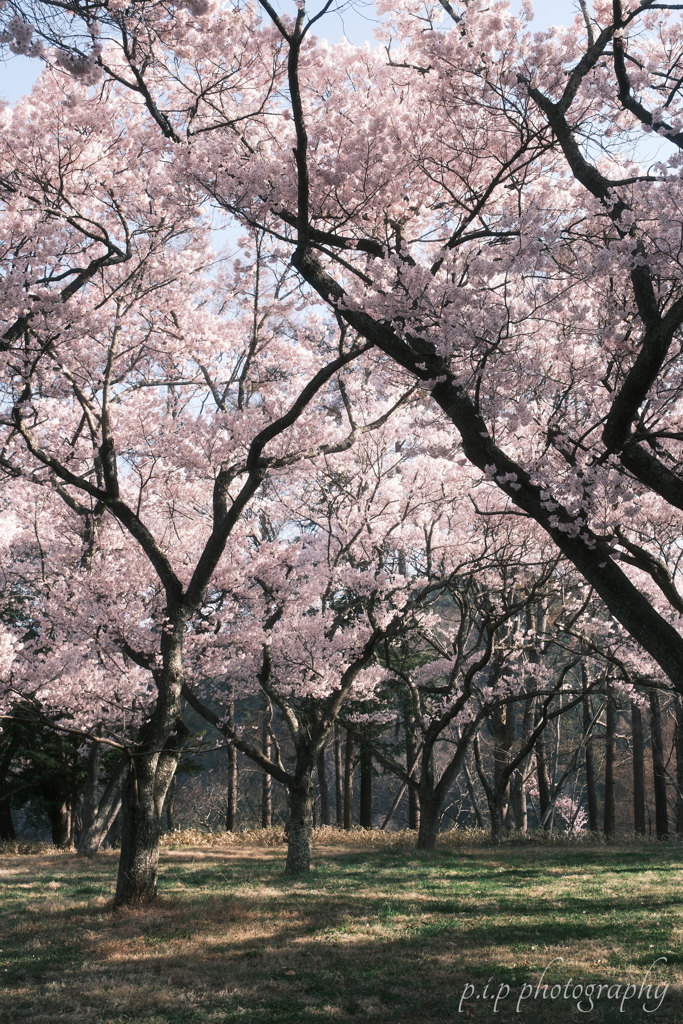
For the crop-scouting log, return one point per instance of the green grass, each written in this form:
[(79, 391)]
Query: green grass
[(377, 935)]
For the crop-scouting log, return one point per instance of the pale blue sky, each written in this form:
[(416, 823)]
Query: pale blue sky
[(17, 74)]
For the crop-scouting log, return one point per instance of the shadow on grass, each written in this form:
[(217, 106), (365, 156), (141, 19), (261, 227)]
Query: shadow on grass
[(364, 937)]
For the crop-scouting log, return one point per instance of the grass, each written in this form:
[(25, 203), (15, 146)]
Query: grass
[(384, 935)]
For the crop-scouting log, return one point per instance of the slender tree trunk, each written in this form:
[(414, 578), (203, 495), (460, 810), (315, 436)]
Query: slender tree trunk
[(324, 792), (338, 777), (108, 807), (679, 765), (170, 805), (473, 798), (299, 828), (638, 769), (591, 782), (365, 816), (543, 780), (348, 782), (661, 810), (609, 820), (266, 779), (233, 773), (411, 751), (7, 832), (90, 794)]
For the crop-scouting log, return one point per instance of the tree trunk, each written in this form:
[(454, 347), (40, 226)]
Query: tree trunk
[(89, 795), (428, 830), (679, 765), (299, 828), (233, 781), (143, 794), (661, 810), (140, 828), (267, 779), (609, 819), (170, 806), (7, 833), (638, 770), (591, 782), (108, 807), (348, 782), (324, 792), (59, 816), (518, 793), (411, 752), (338, 777), (473, 798), (365, 816), (543, 780)]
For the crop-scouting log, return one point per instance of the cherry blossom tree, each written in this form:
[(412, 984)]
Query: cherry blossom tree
[(143, 411)]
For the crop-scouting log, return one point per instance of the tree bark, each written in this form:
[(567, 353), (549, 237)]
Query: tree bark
[(267, 779), (411, 751), (661, 810), (143, 793), (609, 819), (233, 778), (338, 777), (90, 795), (324, 793), (348, 782), (543, 781), (299, 828), (7, 833), (365, 816), (591, 781), (638, 770), (428, 830), (679, 765), (170, 805), (90, 840)]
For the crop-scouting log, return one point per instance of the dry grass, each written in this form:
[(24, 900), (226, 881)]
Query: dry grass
[(384, 935)]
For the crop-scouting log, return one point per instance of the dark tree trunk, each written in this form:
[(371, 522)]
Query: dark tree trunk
[(411, 752), (233, 776), (338, 777), (609, 819), (659, 769), (7, 833), (365, 816), (638, 770), (266, 780), (170, 805), (679, 765), (473, 798), (299, 828), (543, 780), (324, 792), (591, 781), (140, 828), (59, 816), (348, 782), (430, 807), (143, 794), (90, 794)]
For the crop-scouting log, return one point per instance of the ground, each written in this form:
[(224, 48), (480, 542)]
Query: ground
[(382, 935)]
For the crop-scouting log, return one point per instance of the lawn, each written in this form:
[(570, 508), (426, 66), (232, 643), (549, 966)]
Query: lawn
[(383, 935)]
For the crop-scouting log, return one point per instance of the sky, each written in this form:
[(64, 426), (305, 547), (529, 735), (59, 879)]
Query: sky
[(17, 74)]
